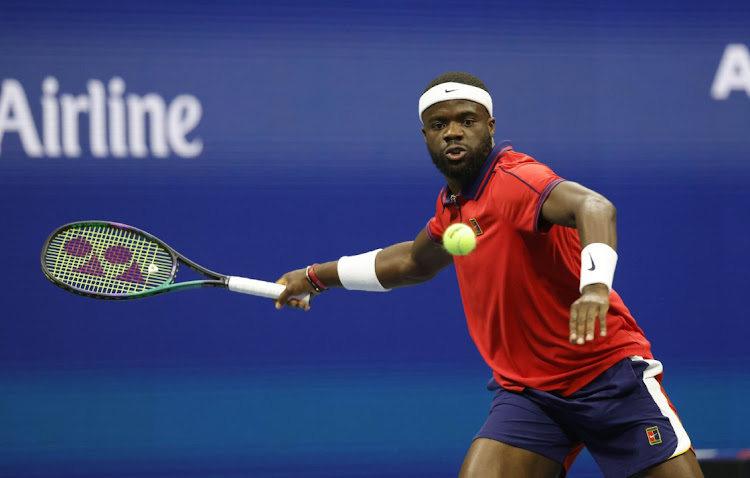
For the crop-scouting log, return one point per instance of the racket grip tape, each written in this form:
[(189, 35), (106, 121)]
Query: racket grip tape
[(260, 288)]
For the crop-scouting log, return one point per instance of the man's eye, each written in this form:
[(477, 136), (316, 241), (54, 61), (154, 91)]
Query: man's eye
[(469, 122), (438, 126)]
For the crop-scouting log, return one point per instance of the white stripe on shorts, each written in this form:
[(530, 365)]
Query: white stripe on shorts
[(654, 388)]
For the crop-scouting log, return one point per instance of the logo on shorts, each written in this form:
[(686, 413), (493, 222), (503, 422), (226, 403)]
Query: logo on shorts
[(654, 437), (475, 225)]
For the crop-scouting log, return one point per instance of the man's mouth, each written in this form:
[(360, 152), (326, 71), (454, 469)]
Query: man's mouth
[(455, 153)]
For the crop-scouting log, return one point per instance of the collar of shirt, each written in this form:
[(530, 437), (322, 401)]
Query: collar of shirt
[(475, 189)]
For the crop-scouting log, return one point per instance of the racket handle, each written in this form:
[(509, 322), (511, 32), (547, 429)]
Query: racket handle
[(260, 288)]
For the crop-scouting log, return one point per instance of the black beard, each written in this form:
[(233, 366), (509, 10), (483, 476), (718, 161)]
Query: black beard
[(475, 161)]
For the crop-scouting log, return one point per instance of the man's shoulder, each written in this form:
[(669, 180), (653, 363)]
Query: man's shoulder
[(518, 171), (513, 159), (514, 164)]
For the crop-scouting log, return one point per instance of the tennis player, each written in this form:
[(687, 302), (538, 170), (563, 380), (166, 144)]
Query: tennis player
[(571, 367)]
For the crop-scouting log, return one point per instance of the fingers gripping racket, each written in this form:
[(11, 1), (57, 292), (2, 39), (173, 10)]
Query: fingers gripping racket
[(107, 260)]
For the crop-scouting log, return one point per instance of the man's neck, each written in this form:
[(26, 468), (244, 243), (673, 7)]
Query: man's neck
[(455, 185)]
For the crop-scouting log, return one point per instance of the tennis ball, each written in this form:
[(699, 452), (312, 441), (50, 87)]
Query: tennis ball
[(459, 239)]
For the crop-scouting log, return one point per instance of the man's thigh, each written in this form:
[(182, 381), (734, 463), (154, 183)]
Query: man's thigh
[(682, 466), (520, 435), (624, 418), (638, 426), (490, 459)]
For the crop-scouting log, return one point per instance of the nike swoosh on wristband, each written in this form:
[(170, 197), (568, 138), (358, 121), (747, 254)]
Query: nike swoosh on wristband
[(593, 266)]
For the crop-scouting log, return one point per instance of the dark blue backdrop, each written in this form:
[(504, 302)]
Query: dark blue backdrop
[(311, 149)]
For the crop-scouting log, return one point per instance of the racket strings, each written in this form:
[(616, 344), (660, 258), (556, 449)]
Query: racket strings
[(108, 260)]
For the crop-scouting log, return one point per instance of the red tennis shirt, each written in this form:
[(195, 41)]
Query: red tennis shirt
[(517, 286)]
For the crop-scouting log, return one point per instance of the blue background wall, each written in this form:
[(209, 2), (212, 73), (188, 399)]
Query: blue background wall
[(311, 150)]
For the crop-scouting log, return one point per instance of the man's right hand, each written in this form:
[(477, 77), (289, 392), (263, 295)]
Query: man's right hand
[(297, 285)]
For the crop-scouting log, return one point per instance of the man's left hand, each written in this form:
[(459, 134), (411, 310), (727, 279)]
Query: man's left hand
[(593, 304)]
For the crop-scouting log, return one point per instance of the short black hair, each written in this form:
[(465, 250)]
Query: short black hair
[(458, 77)]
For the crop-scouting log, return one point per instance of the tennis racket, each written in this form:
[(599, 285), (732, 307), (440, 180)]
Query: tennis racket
[(107, 260)]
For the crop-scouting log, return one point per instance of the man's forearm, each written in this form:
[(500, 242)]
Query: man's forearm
[(394, 267), (403, 264), (596, 221)]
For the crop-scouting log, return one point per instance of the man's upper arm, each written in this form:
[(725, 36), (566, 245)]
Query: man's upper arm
[(429, 255), (412, 262), (564, 201)]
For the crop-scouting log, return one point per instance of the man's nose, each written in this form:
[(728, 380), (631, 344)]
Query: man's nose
[(452, 131)]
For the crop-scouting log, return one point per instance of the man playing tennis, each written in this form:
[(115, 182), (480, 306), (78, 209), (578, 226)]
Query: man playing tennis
[(571, 367)]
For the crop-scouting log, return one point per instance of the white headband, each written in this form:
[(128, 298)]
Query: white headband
[(454, 91)]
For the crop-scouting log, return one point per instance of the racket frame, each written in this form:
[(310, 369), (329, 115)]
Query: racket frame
[(215, 279)]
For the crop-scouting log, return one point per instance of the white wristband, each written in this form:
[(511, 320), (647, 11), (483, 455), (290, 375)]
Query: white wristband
[(358, 272), (598, 262)]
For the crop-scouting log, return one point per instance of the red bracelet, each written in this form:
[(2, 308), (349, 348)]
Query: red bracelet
[(314, 278)]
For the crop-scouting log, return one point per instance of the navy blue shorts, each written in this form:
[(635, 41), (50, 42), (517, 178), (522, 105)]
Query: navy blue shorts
[(623, 417)]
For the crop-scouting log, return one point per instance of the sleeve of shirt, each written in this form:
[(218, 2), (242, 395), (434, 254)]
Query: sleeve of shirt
[(528, 186), (435, 227)]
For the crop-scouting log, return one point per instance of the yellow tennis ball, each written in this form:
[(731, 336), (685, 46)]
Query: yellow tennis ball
[(459, 239)]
